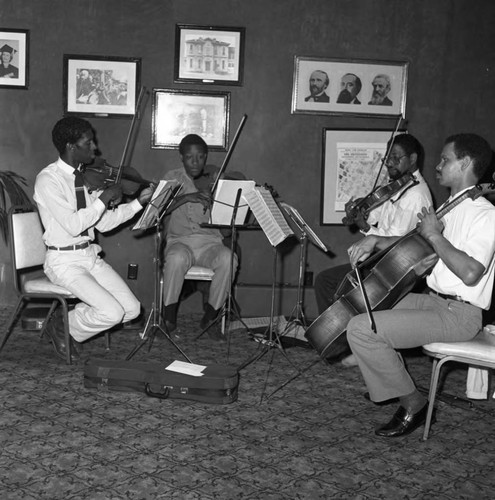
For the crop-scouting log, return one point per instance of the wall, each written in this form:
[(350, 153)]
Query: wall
[(449, 44)]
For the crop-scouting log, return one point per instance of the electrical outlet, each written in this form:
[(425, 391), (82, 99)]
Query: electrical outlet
[(132, 271)]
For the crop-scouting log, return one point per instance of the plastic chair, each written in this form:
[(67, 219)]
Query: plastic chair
[(480, 352)]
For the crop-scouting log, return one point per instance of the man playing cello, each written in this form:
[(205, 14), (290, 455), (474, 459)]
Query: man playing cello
[(460, 286)]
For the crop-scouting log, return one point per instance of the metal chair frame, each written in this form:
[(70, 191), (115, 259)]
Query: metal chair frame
[(479, 352)]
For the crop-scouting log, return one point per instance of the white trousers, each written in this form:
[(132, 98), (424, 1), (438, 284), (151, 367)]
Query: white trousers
[(106, 300)]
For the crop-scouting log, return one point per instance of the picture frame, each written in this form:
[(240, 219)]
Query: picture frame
[(14, 59), (176, 113), (101, 86), (349, 87), (352, 160), (209, 54)]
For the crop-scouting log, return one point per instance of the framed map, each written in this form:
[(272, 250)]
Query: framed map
[(352, 166)]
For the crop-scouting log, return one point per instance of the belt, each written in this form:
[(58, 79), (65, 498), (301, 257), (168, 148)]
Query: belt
[(448, 297), (80, 246)]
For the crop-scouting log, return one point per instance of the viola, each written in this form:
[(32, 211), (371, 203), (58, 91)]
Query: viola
[(388, 276), (100, 174), (376, 198)]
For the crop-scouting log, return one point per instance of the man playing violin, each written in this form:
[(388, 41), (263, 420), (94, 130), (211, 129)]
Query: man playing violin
[(395, 217), (70, 216), (188, 243), (460, 285)]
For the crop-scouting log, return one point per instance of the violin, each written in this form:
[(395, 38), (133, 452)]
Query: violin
[(100, 174), (376, 198)]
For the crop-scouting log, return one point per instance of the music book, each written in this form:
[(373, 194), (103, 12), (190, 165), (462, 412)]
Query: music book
[(162, 194), (268, 214), (224, 201), (303, 226)]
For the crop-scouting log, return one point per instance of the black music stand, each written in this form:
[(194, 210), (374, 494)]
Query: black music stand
[(230, 307), (297, 317), (276, 229), (152, 217)]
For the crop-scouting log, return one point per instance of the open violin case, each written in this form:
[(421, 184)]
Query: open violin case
[(218, 384)]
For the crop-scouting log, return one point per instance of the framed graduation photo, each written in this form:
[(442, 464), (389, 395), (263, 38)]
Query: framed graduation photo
[(14, 58)]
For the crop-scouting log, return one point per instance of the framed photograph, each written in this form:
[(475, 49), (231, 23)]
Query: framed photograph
[(351, 163), (350, 87), (14, 58), (101, 86), (209, 54), (176, 113)]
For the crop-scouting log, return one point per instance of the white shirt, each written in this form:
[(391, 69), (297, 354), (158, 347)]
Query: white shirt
[(399, 215), (470, 227), (55, 196)]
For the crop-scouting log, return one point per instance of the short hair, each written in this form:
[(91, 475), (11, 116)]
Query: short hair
[(192, 140), (69, 130), (410, 145), (475, 147), (359, 84), (327, 80), (385, 77)]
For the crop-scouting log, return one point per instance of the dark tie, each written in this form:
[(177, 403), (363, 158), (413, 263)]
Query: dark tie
[(80, 198)]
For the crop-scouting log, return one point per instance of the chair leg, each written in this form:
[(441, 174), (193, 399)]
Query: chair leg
[(10, 325), (107, 340), (48, 316), (68, 343), (435, 374)]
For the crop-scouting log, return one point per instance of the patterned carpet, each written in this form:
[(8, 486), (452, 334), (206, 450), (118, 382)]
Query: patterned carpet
[(311, 439)]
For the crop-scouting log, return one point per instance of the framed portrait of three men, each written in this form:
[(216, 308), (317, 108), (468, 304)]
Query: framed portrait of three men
[(349, 86)]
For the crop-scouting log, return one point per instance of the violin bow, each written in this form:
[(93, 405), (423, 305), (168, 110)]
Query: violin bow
[(130, 134), (399, 120), (229, 154)]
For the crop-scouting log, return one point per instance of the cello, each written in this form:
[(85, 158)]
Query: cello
[(388, 275)]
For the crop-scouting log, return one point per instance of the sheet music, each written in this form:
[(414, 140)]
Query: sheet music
[(160, 197), (223, 204), (268, 215), (297, 218)]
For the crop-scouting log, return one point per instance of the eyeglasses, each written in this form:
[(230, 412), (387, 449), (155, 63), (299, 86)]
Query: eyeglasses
[(395, 160)]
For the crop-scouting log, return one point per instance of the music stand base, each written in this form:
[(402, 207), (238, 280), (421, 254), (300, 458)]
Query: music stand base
[(149, 336)]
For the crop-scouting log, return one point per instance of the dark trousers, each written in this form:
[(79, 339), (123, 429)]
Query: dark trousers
[(326, 284)]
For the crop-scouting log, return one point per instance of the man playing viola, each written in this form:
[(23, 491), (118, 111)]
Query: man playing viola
[(70, 215), (396, 217), (188, 243), (460, 285)]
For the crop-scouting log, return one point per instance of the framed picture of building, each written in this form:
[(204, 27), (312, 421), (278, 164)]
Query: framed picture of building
[(349, 87), (101, 86), (209, 54), (14, 58), (177, 113)]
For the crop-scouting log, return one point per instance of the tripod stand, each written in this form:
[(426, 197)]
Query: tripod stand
[(153, 323), (270, 339)]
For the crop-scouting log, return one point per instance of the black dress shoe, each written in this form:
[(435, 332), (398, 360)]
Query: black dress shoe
[(403, 422), (55, 331)]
